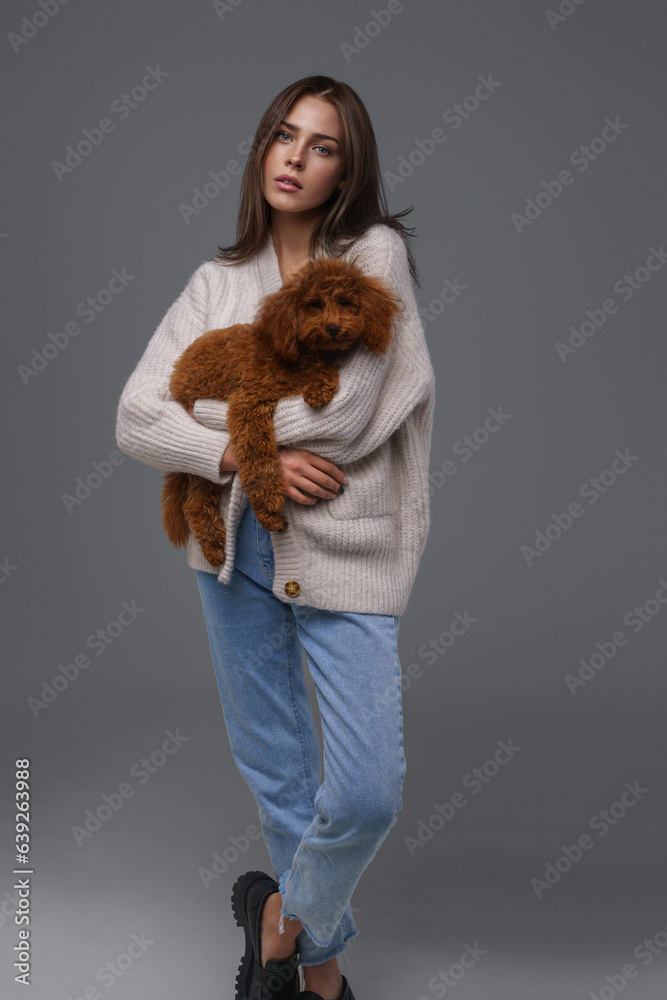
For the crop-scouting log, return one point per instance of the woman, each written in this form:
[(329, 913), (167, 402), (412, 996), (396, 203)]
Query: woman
[(336, 581)]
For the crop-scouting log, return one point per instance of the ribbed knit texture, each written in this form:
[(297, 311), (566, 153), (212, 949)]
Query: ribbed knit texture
[(360, 551)]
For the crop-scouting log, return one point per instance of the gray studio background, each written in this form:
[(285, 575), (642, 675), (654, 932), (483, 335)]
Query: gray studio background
[(470, 887)]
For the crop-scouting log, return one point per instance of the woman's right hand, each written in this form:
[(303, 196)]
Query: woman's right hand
[(308, 477)]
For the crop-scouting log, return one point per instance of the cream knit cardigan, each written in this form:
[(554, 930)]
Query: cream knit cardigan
[(360, 551)]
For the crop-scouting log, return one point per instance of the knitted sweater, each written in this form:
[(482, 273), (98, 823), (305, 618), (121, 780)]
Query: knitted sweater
[(360, 551)]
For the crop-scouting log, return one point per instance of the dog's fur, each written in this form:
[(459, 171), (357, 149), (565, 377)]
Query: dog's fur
[(329, 305)]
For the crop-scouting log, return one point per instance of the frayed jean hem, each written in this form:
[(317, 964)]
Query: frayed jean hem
[(335, 949), (329, 955)]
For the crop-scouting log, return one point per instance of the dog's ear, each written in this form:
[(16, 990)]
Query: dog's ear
[(379, 308), (278, 321)]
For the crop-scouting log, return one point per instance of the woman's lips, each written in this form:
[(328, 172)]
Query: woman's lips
[(286, 186)]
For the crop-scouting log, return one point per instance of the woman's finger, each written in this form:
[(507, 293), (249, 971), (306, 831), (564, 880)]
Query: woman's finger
[(324, 471), (303, 468), (294, 494), (307, 485)]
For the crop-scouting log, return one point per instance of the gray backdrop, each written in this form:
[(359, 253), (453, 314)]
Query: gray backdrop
[(540, 209)]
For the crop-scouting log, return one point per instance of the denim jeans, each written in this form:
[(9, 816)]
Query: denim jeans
[(320, 834)]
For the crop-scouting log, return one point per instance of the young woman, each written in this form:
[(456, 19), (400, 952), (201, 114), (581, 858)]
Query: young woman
[(335, 582)]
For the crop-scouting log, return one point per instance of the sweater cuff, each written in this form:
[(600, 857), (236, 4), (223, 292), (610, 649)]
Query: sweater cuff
[(207, 454), (184, 445), (211, 413), (223, 438)]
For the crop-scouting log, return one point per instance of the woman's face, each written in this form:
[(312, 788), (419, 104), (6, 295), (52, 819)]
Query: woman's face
[(308, 146)]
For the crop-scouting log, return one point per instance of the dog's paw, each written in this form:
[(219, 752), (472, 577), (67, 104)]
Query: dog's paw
[(273, 522), (318, 395), (213, 554)]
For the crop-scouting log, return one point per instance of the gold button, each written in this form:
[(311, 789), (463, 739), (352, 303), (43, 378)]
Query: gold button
[(292, 588)]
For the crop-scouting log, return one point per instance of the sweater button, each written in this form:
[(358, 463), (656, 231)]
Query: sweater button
[(292, 588)]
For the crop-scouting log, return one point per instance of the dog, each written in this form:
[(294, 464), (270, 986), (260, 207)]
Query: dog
[(326, 307)]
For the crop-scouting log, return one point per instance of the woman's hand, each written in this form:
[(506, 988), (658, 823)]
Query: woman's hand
[(308, 477)]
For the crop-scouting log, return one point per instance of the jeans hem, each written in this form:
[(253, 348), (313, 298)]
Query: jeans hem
[(284, 913), (329, 955)]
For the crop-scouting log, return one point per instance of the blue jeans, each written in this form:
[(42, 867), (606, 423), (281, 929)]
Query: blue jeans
[(320, 835)]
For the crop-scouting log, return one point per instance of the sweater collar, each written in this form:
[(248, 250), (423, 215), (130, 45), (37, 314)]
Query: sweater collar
[(268, 269)]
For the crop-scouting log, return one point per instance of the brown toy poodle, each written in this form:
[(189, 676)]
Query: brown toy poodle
[(328, 306)]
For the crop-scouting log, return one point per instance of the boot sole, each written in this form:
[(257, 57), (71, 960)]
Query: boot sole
[(239, 909), (239, 894)]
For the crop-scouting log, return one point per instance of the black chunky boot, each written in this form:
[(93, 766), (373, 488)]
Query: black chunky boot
[(280, 979), (345, 995)]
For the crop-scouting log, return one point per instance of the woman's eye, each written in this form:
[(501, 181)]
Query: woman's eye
[(325, 148)]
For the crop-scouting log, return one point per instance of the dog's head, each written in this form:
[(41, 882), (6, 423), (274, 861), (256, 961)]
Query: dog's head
[(328, 305)]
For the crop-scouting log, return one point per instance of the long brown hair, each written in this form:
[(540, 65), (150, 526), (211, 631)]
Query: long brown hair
[(347, 214)]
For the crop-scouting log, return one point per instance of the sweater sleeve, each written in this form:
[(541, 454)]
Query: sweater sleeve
[(376, 391), (150, 425)]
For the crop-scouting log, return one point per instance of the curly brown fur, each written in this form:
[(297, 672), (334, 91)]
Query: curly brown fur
[(326, 307)]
